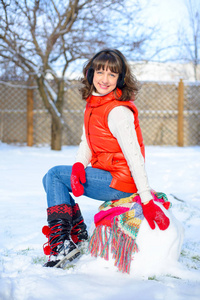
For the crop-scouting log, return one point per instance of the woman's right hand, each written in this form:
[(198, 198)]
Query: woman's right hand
[(77, 179)]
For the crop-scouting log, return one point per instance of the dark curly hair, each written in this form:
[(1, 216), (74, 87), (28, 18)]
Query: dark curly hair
[(112, 61)]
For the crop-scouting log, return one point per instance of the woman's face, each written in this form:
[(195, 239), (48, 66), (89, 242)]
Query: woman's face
[(105, 81)]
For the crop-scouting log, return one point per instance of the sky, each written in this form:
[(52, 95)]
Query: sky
[(168, 15)]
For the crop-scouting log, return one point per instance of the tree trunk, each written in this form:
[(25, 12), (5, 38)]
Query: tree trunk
[(55, 109), (56, 127), (56, 135)]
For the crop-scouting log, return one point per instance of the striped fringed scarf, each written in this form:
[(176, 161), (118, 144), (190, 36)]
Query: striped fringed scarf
[(116, 228)]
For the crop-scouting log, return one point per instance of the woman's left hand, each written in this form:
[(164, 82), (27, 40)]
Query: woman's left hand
[(153, 213)]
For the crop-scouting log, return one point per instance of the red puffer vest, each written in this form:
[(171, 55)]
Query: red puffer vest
[(106, 152)]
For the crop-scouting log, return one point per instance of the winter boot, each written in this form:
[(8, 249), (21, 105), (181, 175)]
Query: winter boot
[(78, 233), (60, 248)]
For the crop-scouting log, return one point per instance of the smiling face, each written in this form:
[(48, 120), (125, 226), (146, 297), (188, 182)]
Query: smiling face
[(104, 80)]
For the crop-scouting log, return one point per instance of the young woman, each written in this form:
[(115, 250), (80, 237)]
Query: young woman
[(112, 142)]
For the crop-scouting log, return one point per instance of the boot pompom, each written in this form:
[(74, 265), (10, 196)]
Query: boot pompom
[(47, 250), (46, 230)]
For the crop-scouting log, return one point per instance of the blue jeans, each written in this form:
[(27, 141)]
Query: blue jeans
[(58, 186)]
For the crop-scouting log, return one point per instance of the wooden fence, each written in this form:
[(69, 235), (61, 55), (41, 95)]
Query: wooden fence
[(169, 114)]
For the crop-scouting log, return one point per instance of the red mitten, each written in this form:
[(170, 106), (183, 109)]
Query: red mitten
[(78, 177), (153, 213)]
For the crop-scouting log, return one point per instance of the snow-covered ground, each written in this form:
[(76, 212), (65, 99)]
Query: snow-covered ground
[(173, 170)]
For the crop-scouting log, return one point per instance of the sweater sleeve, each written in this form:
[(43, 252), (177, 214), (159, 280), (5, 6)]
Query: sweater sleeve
[(121, 125), (84, 153)]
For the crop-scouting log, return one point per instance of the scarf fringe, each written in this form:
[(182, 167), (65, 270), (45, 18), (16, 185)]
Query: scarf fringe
[(116, 233), (122, 246), (99, 242)]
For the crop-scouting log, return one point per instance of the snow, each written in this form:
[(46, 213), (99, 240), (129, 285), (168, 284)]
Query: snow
[(172, 170)]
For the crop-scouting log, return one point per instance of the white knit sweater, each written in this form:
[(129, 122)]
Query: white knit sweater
[(120, 123)]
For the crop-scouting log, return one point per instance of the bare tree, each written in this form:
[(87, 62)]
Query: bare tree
[(43, 37), (189, 35)]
